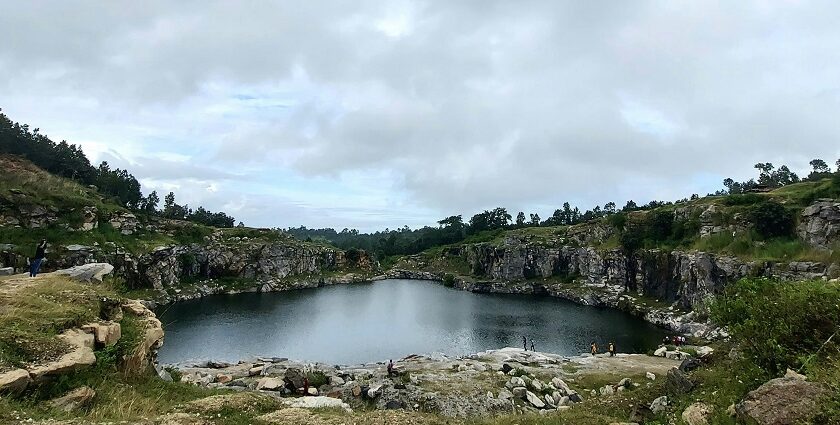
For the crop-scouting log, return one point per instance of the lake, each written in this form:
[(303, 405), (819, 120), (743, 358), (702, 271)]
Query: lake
[(389, 319)]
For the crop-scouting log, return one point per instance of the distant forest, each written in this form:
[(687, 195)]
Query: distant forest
[(68, 160), (489, 224)]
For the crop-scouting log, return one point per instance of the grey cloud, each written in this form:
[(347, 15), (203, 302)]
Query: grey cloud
[(477, 104)]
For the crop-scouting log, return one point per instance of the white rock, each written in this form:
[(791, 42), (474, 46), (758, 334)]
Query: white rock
[(93, 272), (659, 404), (534, 400), (317, 402), (650, 375), (660, 352)]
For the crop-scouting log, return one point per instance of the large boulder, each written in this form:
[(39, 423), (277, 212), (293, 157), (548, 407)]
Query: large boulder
[(787, 400), (93, 272), (677, 382), (74, 400), (820, 224), (294, 378), (659, 405)]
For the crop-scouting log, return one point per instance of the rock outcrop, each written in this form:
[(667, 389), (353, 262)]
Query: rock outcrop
[(79, 356), (820, 224), (787, 400), (145, 354)]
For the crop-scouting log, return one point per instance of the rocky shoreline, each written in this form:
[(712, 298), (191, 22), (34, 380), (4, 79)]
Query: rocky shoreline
[(671, 318), (507, 380)]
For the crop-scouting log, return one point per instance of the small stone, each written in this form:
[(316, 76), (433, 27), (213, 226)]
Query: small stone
[(697, 414), (659, 405), (255, 371), (650, 375), (270, 384), (223, 379)]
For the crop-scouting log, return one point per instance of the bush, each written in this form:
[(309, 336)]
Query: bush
[(781, 324), (771, 219), (448, 280)]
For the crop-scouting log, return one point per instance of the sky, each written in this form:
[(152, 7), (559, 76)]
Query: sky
[(379, 114)]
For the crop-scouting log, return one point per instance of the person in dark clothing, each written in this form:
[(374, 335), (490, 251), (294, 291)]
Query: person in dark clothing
[(305, 386), (525, 343), (612, 349), (532, 345), (40, 253), (390, 367)]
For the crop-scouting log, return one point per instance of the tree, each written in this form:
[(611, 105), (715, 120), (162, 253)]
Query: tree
[(520, 219), (535, 219), (838, 165), (452, 221), (764, 176), (609, 208), (150, 203), (819, 166), (771, 219), (630, 206)]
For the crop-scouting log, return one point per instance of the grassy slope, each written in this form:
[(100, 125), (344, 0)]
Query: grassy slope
[(747, 246)]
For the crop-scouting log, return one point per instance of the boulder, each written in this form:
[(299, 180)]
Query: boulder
[(7, 271), (270, 384), (787, 400), (519, 392), (607, 390), (145, 353), (336, 381), (504, 394), (659, 404), (125, 222), (312, 391), (697, 414), (625, 383), (506, 368), (689, 365), (93, 272), (549, 400), (294, 378), (704, 351), (14, 381), (76, 399), (258, 370), (104, 333), (574, 397), (676, 382), (660, 352), (374, 390), (534, 400), (536, 385), (356, 391), (394, 405), (650, 375), (562, 401), (515, 382), (560, 385)]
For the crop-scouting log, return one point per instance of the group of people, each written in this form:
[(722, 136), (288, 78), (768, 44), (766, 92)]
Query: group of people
[(593, 348), (525, 344), (675, 340)]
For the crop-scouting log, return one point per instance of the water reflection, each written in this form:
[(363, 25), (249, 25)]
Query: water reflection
[(389, 319)]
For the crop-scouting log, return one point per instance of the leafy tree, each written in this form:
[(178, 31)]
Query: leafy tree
[(452, 221), (535, 219), (150, 203), (630, 206), (765, 173), (520, 219), (609, 208), (819, 166)]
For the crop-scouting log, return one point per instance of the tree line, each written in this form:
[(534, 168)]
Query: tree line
[(68, 160), (770, 177)]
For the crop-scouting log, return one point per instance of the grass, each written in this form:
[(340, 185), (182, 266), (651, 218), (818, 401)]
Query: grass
[(32, 318)]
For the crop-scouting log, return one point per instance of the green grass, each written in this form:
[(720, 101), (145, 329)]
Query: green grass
[(32, 318)]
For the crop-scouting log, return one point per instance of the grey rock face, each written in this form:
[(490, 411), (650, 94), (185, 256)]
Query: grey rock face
[(820, 224)]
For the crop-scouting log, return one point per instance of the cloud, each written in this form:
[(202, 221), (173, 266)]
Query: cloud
[(435, 107)]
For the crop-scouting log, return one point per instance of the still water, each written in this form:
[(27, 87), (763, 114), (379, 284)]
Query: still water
[(390, 319)]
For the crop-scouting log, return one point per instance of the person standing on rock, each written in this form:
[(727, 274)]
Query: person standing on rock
[(593, 348), (525, 343), (532, 344), (612, 349), (390, 367), (40, 253)]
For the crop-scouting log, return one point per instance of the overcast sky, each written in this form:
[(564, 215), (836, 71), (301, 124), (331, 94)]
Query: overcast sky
[(380, 114)]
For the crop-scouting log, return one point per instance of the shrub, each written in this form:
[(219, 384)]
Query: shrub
[(781, 324), (448, 280), (771, 219)]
